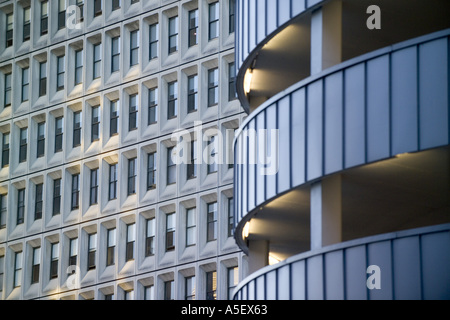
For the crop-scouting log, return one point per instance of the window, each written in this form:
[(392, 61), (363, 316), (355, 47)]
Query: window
[(111, 244), (129, 295), (25, 83), (23, 144), (211, 285), (149, 292), (2, 271), (92, 246), (133, 112), (80, 4), (95, 125), (17, 269), (56, 197), (44, 17), (60, 72), (230, 217), (150, 237), (7, 90), (26, 23), (20, 206), (97, 8), (9, 29), (191, 169), (169, 291), (93, 195), (171, 167), (193, 27), (173, 34), (97, 60), (151, 171), (3, 210), (36, 264), (231, 81), (192, 93), (190, 288), (131, 239), (114, 118), (211, 229), (59, 134), (42, 78), (134, 1), (213, 87), (172, 100), (115, 4), (213, 20), (115, 54), (212, 152), (73, 250), (61, 14), (109, 297), (134, 47), (153, 41), (132, 176), (38, 201), (77, 129), (75, 200), (5, 150), (78, 67), (232, 281), (112, 182), (152, 106), (170, 232), (54, 260), (40, 140), (232, 16), (191, 228)]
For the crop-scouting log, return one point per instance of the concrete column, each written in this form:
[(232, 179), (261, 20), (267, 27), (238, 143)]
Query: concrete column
[(258, 256), (326, 212)]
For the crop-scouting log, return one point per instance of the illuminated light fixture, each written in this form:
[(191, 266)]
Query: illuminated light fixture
[(248, 80), (246, 230), (273, 260)]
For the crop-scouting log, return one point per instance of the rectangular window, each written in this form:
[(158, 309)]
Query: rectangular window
[(213, 20), (170, 232), (26, 23), (77, 129), (5, 150), (42, 78), (59, 131), (191, 228), (40, 140), (23, 144), (132, 176), (20, 206), (60, 72), (111, 245), (115, 54), (129, 295), (190, 288), (115, 4), (80, 4), (97, 8), (191, 169), (54, 260), (131, 239), (232, 16), (61, 14), (8, 89), (3, 210), (133, 112), (169, 290), (25, 84), (153, 41), (231, 82), (211, 285), (97, 60), (134, 47), (213, 149), (173, 34), (230, 217), (211, 229), (193, 27), (73, 252), (56, 197), (150, 238), (92, 247), (93, 195), (44, 17), (2, 271), (192, 93), (38, 201), (232, 281), (78, 67), (112, 182), (172, 100), (17, 282), (213, 87), (171, 167), (151, 171), (149, 293), (114, 118), (75, 199), (9, 29), (95, 125), (36, 264), (152, 106)]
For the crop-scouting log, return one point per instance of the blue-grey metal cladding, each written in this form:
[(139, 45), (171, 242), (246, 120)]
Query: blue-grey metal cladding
[(374, 107), (413, 265)]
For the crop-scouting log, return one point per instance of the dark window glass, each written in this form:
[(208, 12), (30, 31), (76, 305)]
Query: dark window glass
[(134, 47), (171, 167), (56, 197), (60, 72), (150, 238), (44, 17), (112, 182), (110, 247), (35, 267), (133, 112), (115, 54), (61, 14), (211, 285), (77, 129), (26, 23), (97, 7), (211, 230), (151, 171), (172, 100), (213, 87), (192, 166), (213, 20), (232, 16), (8, 90), (173, 34), (20, 206), (93, 195), (38, 201), (131, 239), (40, 139), (75, 200), (25, 84), (132, 172), (59, 131), (153, 41), (23, 144), (193, 27), (97, 60), (78, 67), (231, 82), (42, 79), (5, 150), (170, 232), (92, 248), (114, 120), (192, 93), (95, 128), (9, 29), (54, 260), (152, 106)]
